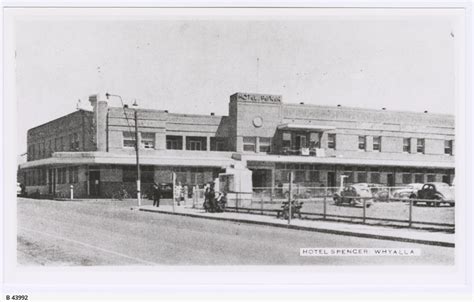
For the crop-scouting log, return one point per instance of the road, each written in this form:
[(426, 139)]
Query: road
[(104, 232)]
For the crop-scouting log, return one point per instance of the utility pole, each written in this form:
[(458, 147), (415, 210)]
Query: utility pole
[(137, 151)]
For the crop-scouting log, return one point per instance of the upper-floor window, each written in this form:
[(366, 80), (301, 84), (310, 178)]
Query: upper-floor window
[(420, 145), (148, 140), (286, 140), (249, 143), (362, 142), (197, 143), (377, 143), (448, 147), (73, 142), (61, 143), (174, 142), (332, 141), (264, 144), (315, 140), (217, 144), (129, 139), (406, 145)]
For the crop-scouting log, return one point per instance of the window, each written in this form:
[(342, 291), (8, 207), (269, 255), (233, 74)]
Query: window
[(147, 174), (174, 142), (249, 143), (431, 178), (300, 141), (265, 144), (128, 139), (448, 147), (62, 173), (362, 177), (217, 144), (331, 141), (315, 140), (286, 140), (74, 142), (198, 143), (56, 144), (406, 145), (314, 176), (420, 145), (419, 178), (375, 178), (129, 174), (377, 144), (406, 178), (73, 175), (361, 142), (61, 143), (300, 175), (148, 140)]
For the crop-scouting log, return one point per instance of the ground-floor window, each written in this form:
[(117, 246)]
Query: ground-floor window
[(419, 178), (431, 178), (406, 178), (375, 178)]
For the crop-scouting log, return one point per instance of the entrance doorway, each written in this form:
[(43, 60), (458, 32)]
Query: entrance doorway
[(51, 181), (94, 183), (331, 179), (390, 180)]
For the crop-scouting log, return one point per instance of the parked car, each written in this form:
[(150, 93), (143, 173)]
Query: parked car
[(354, 195), (407, 191), (436, 191), (379, 192)]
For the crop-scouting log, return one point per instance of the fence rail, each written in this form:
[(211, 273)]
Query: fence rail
[(319, 204)]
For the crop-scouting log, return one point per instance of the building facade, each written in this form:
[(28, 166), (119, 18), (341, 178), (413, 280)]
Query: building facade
[(95, 150)]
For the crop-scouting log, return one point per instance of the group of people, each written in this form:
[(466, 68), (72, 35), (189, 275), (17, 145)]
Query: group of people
[(214, 202)]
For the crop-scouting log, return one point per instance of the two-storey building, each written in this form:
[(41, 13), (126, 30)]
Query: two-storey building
[(95, 150)]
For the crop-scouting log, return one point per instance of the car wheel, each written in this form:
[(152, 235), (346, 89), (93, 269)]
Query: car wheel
[(451, 204)]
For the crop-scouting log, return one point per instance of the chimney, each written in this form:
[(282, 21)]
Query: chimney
[(384, 108), (338, 105), (301, 103), (166, 111), (212, 113), (426, 111)]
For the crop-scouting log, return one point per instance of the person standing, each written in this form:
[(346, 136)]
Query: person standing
[(156, 195)]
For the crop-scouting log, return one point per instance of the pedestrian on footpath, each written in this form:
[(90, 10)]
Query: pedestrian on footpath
[(156, 195)]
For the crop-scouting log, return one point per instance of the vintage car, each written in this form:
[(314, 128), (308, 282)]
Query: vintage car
[(407, 191), (354, 195), (439, 192)]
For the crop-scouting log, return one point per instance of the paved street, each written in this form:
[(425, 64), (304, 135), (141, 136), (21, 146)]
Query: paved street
[(104, 232)]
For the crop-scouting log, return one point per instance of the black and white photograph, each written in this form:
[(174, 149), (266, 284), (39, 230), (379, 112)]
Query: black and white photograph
[(237, 139)]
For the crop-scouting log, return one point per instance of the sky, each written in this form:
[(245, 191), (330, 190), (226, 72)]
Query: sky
[(193, 65)]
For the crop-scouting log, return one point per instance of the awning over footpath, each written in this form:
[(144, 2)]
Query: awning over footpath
[(345, 161), (293, 126), (156, 158)]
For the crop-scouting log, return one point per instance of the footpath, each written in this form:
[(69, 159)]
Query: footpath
[(437, 238)]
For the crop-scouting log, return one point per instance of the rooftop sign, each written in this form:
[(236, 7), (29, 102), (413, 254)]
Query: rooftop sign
[(256, 98)]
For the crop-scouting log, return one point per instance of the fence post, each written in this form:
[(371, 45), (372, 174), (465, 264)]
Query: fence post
[(325, 203), (410, 212), (364, 209), (237, 202), (261, 205), (72, 192), (289, 197)]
